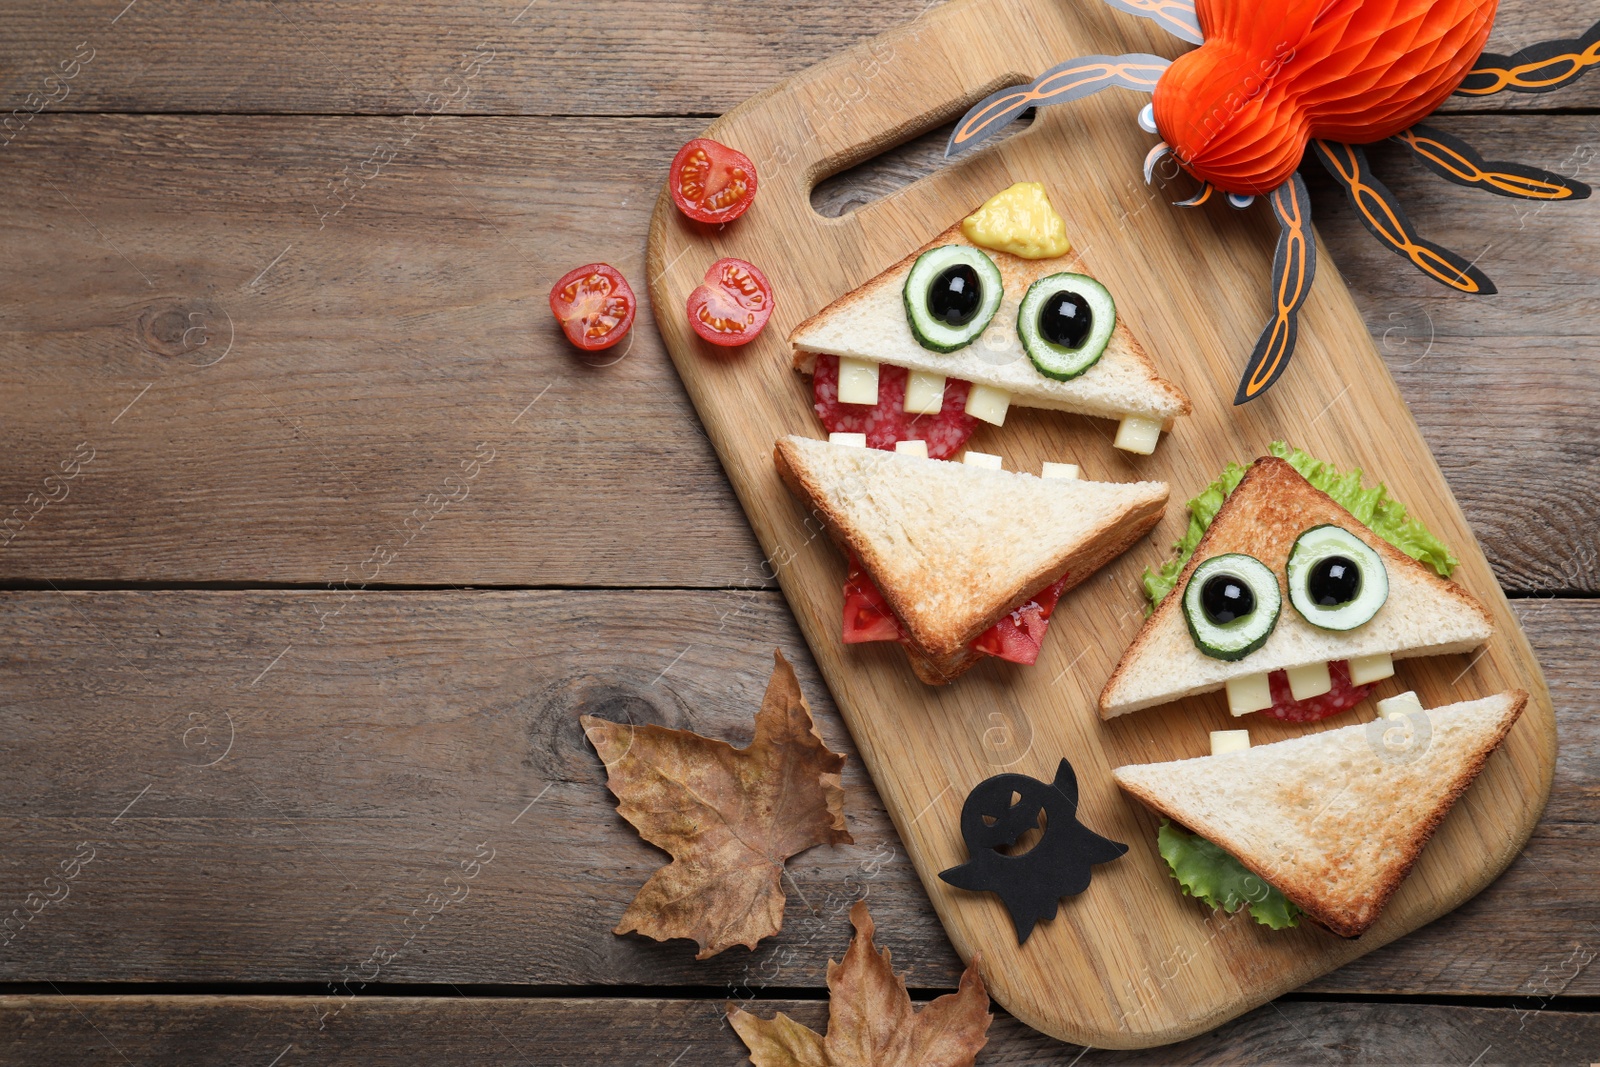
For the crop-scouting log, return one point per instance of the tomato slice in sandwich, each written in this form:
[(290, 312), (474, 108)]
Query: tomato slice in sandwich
[(866, 614), (1018, 637), (595, 306), (711, 182), (732, 305)]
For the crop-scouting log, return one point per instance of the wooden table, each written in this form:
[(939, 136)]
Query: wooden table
[(321, 539)]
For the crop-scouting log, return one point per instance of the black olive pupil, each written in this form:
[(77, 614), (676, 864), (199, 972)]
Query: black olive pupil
[(1334, 580), (1225, 598), (1066, 319), (955, 294)]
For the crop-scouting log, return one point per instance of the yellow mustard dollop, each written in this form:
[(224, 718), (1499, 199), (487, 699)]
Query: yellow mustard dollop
[(1021, 221)]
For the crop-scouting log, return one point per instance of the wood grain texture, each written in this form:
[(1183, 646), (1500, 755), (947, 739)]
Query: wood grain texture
[(383, 347), (283, 380), (383, 1031), (623, 57), (397, 731), (1190, 288)]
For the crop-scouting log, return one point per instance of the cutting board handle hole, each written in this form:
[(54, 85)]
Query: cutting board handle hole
[(898, 165)]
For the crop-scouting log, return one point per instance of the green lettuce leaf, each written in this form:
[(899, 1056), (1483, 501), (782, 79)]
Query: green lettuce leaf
[(1384, 515), (1216, 879)]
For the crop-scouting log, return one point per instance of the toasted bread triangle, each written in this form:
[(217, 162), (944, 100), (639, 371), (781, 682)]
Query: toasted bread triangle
[(869, 323), (1334, 820), (955, 547), (1425, 614)]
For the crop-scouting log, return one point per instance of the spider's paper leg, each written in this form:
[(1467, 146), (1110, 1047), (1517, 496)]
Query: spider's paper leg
[(1538, 68), (1293, 266), (1389, 224), (1072, 80), (1177, 17), (1454, 160)]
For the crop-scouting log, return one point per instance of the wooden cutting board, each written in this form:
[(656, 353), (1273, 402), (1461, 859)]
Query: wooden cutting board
[(1131, 962)]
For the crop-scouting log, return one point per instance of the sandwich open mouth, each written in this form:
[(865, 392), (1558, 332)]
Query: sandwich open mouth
[(958, 561), (1292, 604), (1328, 824), (956, 334)]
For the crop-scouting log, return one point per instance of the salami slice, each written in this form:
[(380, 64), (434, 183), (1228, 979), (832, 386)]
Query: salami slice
[(887, 423), (1341, 697)]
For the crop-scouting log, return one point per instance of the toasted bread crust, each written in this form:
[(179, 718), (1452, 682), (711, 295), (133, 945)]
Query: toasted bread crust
[(941, 656), (1122, 338), (1305, 888), (1284, 486)]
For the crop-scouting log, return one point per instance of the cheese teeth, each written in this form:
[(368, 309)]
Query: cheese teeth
[(988, 403), (1374, 668), (1137, 435), (924, 393), (1068, 471), (1248, 693), (858, 381), (981, 459), (1312, 680)]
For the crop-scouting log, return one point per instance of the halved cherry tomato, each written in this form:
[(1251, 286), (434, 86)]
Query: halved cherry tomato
[(594, 305), (732, 305), (711, 182)]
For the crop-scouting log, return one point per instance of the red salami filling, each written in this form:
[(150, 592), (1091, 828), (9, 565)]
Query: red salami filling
[(1016, 638), (887, 422), (1341, 697)]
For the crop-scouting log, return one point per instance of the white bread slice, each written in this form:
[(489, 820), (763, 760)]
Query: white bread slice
[(954, 547), (869, 324), (1425, 615), (1334, 820)]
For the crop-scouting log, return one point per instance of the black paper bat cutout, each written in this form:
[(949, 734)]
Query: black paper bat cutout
[(1057, 866)]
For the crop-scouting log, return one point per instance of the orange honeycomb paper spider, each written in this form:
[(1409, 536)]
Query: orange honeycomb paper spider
[(1271, 79)]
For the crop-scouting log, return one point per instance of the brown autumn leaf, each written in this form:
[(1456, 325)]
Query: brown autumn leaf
[(730, 817), (870, 1019)]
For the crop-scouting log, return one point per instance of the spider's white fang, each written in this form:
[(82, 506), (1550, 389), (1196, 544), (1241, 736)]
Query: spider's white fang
[(1147, 118), (1240, 201), (1155, 155), (1201, 196)]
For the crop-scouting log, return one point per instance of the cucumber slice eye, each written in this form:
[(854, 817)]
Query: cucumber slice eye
[(951, 295), (1064, 324), (1336, 581), (1231, 604)]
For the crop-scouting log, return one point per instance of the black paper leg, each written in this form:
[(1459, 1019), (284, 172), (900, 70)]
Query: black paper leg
[(1538, 68), (1387, 221), (1072, 80), (1294, 265), (1177, 17), (1454, 160)]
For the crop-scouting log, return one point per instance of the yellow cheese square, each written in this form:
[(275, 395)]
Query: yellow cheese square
[(1248, 693), (924, 393), (858, 381)]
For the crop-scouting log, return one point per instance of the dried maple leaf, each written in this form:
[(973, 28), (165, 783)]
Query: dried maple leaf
[(730, 817), (870, 1019)]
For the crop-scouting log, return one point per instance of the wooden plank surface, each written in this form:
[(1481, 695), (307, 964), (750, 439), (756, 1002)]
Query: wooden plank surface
[(384, 1031), (1189, 285), (375, 353), (396, 731), (623, 57), (382, 348)]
